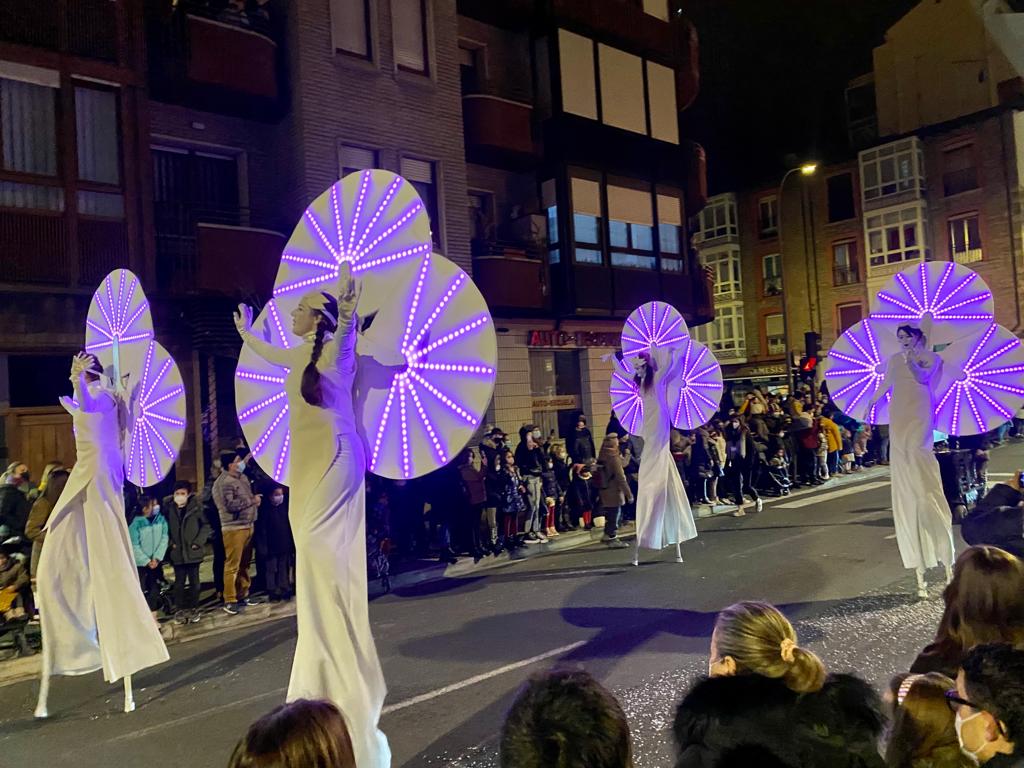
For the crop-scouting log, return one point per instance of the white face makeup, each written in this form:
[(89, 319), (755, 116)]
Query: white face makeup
[(303, 319)]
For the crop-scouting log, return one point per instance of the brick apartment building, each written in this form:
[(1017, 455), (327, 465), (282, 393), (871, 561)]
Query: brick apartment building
[(183, 139), (937, 177)]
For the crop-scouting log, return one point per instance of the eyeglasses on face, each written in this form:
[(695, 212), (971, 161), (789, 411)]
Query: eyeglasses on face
[(955, 702)]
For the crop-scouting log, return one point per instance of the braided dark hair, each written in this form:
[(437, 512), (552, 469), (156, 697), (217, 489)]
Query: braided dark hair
[(311, 390)]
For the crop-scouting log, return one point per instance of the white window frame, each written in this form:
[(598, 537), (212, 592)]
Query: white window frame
[(766, 260), (971, 255), (726, 264), (771, 202), (905, 155), (877, 222), (725, 345), (778, 348), (718, 219)]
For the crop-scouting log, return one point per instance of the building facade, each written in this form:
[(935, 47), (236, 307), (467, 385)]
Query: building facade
[(183, 140)]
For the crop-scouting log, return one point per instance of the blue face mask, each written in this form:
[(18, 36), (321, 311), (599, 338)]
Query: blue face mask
[(240, 467)]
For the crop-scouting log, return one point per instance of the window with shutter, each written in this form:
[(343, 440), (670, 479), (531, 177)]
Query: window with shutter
[(352, 158), (350, 27), (409, 28), (422, 175)]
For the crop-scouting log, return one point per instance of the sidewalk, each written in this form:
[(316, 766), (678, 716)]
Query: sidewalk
[(404, 576)]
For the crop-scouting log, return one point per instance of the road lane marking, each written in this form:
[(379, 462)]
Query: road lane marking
[(420, 699), (836, 494), (813, 532), (481, 678)]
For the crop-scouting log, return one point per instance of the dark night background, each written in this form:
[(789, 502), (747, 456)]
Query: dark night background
[(773, 77)]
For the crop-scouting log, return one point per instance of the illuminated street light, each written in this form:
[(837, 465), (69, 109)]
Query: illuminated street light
[(808, 168)]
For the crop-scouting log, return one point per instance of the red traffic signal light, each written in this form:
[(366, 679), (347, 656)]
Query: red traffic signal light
[(808, 364)]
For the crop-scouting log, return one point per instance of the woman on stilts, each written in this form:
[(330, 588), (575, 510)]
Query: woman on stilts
[(335, 656), (91, 609), (923, 525), (663, 514)]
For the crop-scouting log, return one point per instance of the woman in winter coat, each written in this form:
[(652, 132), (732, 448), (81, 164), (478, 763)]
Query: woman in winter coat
[(188, 530), (474, 489), (614, 489), (35, 528), (740, 459), (768, 694)]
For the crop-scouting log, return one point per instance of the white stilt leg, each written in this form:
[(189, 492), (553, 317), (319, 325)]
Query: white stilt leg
[(679, 554), (44, 690), (922, 587), (129, 699), (636, 552), (949, 574)]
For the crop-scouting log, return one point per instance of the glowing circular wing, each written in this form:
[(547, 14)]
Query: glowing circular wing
[(426, 371), (119, 321), (696, 393), (156, 413), (654, 324), (260, 396), (981, 385), (955, 299), (373, 219), (855, 370), (625, 397)]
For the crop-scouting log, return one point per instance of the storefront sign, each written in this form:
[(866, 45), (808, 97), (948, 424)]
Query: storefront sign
[(754, 371), (556, 402), (572, 339)]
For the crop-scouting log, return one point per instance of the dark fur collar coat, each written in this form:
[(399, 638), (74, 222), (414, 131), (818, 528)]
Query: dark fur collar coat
[(755, 720)]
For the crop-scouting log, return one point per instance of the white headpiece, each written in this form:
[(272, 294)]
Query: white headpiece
[(321, 301)]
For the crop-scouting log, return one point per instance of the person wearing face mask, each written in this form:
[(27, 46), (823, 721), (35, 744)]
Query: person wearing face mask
[(148, 534), (923, 733), (989, 705), (238, 508), (275, 547), (188, 532), (14, 502), (765, 691), (530, 460)]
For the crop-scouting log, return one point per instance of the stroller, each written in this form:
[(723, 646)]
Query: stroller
[(775, 473)]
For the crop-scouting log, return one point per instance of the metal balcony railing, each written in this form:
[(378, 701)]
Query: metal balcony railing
[(845, 275), (969, 256), (177, 237)]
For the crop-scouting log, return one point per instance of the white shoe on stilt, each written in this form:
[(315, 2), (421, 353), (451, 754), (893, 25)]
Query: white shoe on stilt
[(922, 587)]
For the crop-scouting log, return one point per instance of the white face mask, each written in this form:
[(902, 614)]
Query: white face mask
[(536, 434), (277, 500), (181, 499), (156, 510), (958, 725)]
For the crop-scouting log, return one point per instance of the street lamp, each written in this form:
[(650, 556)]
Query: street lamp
[(806, 169)]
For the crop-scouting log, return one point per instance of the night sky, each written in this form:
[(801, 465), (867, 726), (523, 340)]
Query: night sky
[(773, 76)]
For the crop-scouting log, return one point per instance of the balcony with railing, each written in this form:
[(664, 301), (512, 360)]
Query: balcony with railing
[(217, 59), (845, 275), (199, 249), (85, 28), (499, 131)]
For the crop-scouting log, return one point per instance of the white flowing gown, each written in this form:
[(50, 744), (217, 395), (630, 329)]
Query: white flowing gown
[(335, 656), (91, 608), (924, 530), (663, 514)]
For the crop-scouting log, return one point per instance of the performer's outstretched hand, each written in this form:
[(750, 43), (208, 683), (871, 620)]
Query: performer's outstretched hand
[(243, 318), (348, 292)]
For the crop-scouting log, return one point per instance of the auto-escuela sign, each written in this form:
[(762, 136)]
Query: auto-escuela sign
[(572, 339)]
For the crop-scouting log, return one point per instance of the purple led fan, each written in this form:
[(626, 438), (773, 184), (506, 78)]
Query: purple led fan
[(373, 219), (856, 368), (156, 415), (654, 324), (625, 397), (119, 331), (260, 395), (695, 395), (981, 383), (954, 298), (427, 367)]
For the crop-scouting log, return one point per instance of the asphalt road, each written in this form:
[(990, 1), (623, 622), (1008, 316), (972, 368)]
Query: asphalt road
[(455, 651)]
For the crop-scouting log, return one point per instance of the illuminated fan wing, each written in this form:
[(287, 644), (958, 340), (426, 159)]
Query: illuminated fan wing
[(954, 298), (625, 397), (981, 385), (119, 321), (156, 413), (426, 372), (654, 324), (697, 391), (856, 368)]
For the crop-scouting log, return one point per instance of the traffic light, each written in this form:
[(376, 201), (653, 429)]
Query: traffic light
[(812, 340)]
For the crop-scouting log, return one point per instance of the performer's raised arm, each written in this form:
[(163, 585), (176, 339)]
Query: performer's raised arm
[(342, 345), (269, 352), (85, 369)]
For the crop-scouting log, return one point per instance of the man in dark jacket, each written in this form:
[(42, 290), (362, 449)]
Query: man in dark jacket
[(188, 532), (583, 450), (998, 518), (990, 706), (531, 463)]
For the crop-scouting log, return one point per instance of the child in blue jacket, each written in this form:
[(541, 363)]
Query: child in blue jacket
[(148, 533)]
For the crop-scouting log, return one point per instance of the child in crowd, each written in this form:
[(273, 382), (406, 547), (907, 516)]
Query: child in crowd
[(513, 501), (580, 501), (847, 457), (821, 455), (563, 476), (552, 495)]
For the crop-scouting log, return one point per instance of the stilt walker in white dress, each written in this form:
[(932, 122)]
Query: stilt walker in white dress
[(663, 514), (335, 656), (92, 611), (924, 530)]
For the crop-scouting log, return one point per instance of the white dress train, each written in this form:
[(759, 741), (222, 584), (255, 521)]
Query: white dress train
[(924, 530), (663, 514), (91, 609), (335, 656)]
